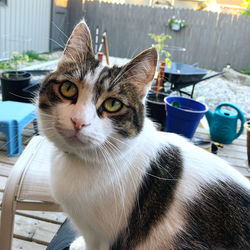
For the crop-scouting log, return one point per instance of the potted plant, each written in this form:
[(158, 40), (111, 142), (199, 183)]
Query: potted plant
[(13, 81), (176, 24), (154, 101)]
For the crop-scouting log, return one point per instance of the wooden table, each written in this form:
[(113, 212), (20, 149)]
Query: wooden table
[(27, 186)]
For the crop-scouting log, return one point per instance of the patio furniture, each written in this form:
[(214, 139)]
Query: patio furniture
[(14, 116), (27, 187)]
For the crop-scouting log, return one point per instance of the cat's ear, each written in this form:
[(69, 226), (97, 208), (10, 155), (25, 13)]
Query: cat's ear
[(79, 45), (141, 70)]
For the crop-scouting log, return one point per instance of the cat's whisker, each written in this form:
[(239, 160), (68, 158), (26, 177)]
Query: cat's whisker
[(80, 59), (76, 63), (129, 164), (113, 163), (60, 29), (120, 141), (113, 186), (60, 45), (46, 114), (23, 97), (7, 143), (14, 137), (165, 179), (124, 69), (46, 129), (115, 168)]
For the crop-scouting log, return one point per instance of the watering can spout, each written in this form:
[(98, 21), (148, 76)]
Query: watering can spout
[(209, 115)]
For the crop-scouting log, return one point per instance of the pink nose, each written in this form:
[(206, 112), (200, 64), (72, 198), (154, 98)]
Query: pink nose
[(79, 123)]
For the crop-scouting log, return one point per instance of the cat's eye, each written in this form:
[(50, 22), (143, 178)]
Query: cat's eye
[(68, 90), (112, 105)]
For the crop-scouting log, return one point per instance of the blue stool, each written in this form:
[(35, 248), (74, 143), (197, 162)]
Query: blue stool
[(14, 116)]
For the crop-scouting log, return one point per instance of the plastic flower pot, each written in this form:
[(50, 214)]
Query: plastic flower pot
[(183, 115), (12, 85)]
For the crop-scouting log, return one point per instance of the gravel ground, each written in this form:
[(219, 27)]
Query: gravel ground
[(218, 90)]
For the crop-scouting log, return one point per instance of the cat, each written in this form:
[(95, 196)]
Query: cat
[(124, 184)]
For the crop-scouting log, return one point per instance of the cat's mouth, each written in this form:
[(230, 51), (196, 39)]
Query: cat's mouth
[(81, 140), (75, 138)]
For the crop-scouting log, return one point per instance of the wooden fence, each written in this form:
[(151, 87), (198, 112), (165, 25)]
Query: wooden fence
[(212, 40)]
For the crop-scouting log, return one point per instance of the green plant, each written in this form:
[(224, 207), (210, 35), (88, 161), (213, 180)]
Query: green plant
[(46, 53), (173, 20), (246, 4), (12, 64), (245, 71), (16, 58), (5, 65), (33, 55), (161, 46)]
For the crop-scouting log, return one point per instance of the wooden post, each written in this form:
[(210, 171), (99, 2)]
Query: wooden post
[(106, 49), (160, 77)]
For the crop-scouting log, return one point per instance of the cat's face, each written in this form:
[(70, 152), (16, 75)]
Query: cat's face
[(84, 105)]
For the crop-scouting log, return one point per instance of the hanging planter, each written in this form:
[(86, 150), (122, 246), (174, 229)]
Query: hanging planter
[(176, 24)]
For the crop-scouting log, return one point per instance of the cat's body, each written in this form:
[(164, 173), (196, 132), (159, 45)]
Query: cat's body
[(124, 184)]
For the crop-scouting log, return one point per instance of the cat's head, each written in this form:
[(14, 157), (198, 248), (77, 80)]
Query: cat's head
[(84, 105)]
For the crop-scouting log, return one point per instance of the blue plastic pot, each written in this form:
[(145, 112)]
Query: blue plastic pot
[(183, 115)]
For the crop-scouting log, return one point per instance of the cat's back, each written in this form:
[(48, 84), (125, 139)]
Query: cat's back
[(209, 206), (199, 165)]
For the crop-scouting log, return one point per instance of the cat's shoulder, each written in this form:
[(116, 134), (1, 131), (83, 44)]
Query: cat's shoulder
[(198, 165)]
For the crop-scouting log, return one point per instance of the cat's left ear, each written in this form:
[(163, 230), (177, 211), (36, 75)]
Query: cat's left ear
[(79, 45), (141, 70)]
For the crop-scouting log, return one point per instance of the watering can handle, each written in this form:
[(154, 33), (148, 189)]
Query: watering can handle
[(240, 116)]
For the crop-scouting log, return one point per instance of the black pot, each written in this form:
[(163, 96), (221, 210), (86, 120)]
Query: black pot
[(13, 84), (156, 108)]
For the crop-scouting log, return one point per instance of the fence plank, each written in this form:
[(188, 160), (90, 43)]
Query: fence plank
[(211, 39)]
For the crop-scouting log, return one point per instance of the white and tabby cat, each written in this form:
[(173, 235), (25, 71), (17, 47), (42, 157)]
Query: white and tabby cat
[(124, 184)]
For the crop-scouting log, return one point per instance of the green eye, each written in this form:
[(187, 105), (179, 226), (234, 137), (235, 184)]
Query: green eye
[(68, 90), (112, 105)]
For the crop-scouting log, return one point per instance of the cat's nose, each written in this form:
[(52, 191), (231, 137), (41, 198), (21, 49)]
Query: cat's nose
[(79, 123)]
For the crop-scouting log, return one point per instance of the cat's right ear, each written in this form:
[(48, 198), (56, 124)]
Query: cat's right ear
[(79, 45)]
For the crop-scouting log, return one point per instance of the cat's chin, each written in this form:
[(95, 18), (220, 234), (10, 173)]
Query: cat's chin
[(84, 142)]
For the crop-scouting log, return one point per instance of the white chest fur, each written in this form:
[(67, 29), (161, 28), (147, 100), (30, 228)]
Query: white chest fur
[(94, 195)]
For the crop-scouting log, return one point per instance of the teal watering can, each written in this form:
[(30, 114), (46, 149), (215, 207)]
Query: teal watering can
[(223, 123)]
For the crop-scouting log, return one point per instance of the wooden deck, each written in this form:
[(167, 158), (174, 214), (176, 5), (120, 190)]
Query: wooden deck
[(34, 230), (235, 154)]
